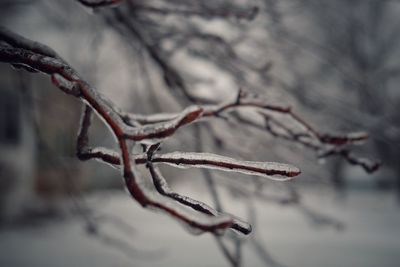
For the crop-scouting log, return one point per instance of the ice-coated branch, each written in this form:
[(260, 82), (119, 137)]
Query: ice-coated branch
[(128, 128), (324, 143), (270, 170), (209, 111), (157, 131), (105, 110), (36, 56), (162, 187)]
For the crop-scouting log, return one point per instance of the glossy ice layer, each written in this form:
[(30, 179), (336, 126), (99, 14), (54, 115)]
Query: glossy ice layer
[(270, 170)]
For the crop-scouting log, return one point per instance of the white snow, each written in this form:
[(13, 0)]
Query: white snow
[(371, 236)]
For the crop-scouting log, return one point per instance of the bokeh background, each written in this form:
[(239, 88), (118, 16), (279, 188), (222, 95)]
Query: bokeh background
[(336, 62)]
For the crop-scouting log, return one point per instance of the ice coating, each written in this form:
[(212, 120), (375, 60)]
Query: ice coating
[(353, 138), (68, 87), (270, 170), (105, 154), (157, 131), (62, 81), (152, 118)]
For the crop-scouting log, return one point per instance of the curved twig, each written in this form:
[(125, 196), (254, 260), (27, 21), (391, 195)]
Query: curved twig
[(162, 187)]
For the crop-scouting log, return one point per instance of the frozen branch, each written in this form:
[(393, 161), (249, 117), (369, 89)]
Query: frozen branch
[(162, 187), (154, 128), (37, 57), (325, 144)]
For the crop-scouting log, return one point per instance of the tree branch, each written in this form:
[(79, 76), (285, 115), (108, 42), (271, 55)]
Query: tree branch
[(37, 57)]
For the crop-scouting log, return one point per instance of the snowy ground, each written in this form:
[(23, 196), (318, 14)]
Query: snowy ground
[(371, 237)]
